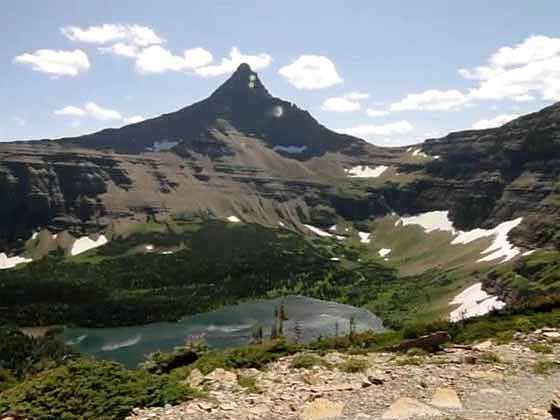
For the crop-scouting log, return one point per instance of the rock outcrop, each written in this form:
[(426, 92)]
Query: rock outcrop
[(444, 385)]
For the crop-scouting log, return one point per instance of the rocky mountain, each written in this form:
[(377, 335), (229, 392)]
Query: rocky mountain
[(244, 153)]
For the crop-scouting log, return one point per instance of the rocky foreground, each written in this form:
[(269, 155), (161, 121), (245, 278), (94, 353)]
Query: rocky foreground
[(487, 381)]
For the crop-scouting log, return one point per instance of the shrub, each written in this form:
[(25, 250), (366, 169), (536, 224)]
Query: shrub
[(306, 361), (545, 367), (541, 348), (353, 365), (418, 329), (89, 389), (252, 356), (249, 383), (417, 352), (489, 357)]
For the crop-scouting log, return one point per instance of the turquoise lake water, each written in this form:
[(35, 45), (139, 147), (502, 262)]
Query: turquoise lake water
[(227, 327)]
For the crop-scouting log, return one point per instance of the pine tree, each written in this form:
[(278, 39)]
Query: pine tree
[(298, 332)]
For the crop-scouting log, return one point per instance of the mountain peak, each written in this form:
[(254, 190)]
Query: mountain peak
[(243, 81)]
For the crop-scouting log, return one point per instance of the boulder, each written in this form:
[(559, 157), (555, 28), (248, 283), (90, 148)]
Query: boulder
[(446, 398), (429, 343), (409, 408), (555, 406), (321, 409), (195, 378)]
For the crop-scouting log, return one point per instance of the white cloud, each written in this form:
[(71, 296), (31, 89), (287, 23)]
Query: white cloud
[(56, 63), (122, 49), (371, 132), (347, 103), (156, 59), (534, 48), (100, 113), (311, 72), (497, 121), (92, 110), (134, 119), (376, 113), (527, 70), (431, 100), (70, 110), (141, 36), (357, 96), (230, 64), (197, 57), (524, 98)]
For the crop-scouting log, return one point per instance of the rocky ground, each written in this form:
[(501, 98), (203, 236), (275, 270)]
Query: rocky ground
[(487, 381)]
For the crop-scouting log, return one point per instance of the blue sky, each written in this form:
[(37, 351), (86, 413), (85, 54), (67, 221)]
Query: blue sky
[(393, 72)]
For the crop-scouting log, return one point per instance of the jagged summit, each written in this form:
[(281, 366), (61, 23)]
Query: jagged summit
[(244, 105), (244, 81)]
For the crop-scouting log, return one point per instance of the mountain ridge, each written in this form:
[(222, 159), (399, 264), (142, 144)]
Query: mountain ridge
[(242, 152)]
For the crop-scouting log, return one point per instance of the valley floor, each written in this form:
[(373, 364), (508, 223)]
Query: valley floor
[(487, 381)]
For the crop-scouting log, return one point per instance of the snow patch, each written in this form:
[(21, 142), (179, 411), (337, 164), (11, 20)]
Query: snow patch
[(333, 228), (474, 301), (34, 236), (233, 219), (366, 171), (322, 233), (500, 247), (281, 224), (430, 221), (149, 247), (335, 259), (166, 252), (419, 152), (160, 146), (85, 243), (439, 220), (384, 252), (527, 253), (290, 149), (10, 262), (364, 237)]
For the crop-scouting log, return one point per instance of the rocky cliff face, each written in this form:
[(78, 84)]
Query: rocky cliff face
[(246, 153)]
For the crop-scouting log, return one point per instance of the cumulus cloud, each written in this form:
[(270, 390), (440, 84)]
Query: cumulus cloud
[(138, 35), (100, 113), (230, 64), (376, 112), (523, 72), (431, 100), (311, 72), (497, 121), (70, 110), (56, 63), (346, 103), (97, 112), (134, 119), (90, 109), (156, 59), (122, 49), (372, 132)]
